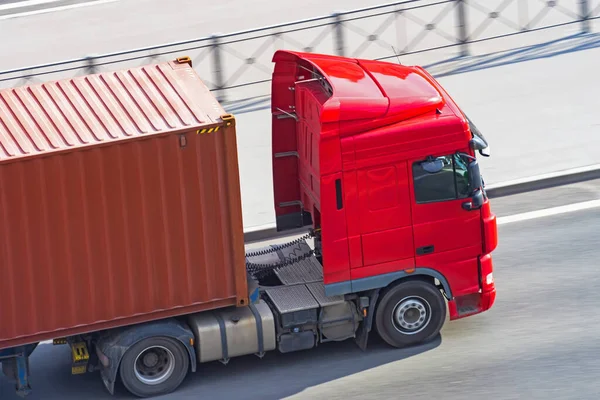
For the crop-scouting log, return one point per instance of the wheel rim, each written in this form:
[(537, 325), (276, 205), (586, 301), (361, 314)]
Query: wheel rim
[(154, 365), (411, 315)]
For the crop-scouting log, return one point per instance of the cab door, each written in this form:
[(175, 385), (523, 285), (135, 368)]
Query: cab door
[(447, 236), (385, 220)]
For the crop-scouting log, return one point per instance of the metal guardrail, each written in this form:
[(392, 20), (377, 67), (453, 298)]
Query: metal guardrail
[(241, 60)]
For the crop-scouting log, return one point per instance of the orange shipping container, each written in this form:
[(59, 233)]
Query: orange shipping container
[(119, 203)]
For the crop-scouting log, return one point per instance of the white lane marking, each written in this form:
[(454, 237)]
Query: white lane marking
[(548, 212), (54, 9), (27, 3)]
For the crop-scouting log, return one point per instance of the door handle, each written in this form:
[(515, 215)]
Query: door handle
[(338, 194), (425, 250)]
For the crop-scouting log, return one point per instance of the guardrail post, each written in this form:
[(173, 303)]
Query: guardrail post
[(338, 34), (584, 7), (218, 69), (463, 36), (90, 64)]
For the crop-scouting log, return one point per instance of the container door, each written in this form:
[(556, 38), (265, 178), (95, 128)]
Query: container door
[(447, 236)]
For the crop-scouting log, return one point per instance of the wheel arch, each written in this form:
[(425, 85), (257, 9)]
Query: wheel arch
[(114, 344), (420, 273), (427, 275), (383, 281)]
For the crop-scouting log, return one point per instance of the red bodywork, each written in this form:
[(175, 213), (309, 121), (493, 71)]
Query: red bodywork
[(346, 159)]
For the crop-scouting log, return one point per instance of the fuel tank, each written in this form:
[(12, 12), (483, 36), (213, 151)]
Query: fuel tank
[(234, 331)]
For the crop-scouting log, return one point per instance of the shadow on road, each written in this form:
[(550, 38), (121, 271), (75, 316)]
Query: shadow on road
[(459, 65), (565, 45), (248, 105), (274, 377), (281, 375)]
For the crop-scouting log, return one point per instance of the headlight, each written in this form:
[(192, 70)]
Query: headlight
[(489, 279)]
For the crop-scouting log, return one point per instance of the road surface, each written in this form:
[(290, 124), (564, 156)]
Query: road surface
[(539, 341), (532, 95)]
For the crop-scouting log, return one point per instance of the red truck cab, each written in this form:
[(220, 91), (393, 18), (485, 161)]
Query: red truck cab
[(382, 162)]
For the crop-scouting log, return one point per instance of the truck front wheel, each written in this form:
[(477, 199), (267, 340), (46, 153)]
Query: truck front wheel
[(154, 366), (409, 313)]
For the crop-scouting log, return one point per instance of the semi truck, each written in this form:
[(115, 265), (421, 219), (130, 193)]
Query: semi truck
[(122, 233)]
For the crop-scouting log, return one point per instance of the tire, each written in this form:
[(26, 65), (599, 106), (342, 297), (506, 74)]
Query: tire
[(422, 308), (154, 366)]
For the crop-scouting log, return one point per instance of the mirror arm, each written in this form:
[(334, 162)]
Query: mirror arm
[(467, 205), (470, 157), (470, 205)]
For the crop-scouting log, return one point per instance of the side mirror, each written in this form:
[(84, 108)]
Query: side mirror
[(475, 203), (474, 175), (478, 144)]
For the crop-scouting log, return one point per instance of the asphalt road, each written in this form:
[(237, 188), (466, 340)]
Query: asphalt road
[(539, 341), (532, 95)]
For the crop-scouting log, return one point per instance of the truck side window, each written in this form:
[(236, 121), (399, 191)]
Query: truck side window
[(451, 183), (461, 174)]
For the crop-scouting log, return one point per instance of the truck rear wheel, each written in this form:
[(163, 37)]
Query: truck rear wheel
[(409, 313), (154, 366)]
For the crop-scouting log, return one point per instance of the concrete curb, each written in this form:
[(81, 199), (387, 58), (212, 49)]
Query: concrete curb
[(502, 189), (544, 181)]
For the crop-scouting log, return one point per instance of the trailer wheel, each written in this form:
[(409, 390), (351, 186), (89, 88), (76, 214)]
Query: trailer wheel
[(409, 313), (154, 366)]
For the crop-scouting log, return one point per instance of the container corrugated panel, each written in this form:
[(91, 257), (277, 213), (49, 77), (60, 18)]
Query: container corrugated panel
[(119, 203)]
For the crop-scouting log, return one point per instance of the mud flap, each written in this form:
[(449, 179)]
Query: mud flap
[(362, 334), (108, 378)]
